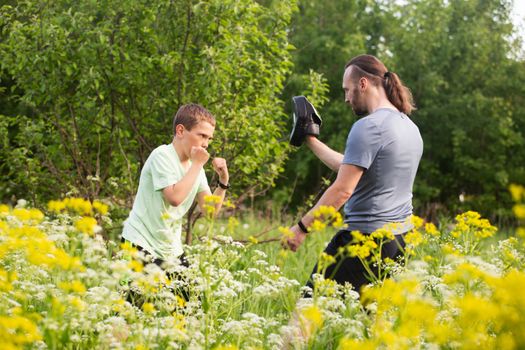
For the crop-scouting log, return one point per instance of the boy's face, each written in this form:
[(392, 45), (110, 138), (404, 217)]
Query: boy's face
[(199, 136)]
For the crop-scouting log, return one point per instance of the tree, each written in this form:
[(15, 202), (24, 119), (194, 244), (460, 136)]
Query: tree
[(102, 80)]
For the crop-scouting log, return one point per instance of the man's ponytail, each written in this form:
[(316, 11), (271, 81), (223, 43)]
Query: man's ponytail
[(397, 93)]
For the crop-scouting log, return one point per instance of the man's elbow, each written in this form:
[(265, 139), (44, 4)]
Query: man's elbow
[(342, 192)]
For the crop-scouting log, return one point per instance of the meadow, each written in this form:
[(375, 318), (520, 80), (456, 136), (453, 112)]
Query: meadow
[(64, 285)]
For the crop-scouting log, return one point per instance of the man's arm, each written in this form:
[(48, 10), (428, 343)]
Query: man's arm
[(336, 195), (328, 156)]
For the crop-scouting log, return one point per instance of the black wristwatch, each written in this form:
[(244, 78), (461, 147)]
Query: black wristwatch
[(223, 186)]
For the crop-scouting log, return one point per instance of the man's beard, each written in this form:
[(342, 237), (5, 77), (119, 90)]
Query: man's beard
[(358, 107)]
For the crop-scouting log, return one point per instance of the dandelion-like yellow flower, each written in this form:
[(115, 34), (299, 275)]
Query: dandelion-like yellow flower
[(416, 221), (285, 232), (311, 318), (317, 226), (431, 229), (148, 308), (4, 209), (56, 206), (100, 207), (414, 238), (519, 211), (517, 192), (87, 225)]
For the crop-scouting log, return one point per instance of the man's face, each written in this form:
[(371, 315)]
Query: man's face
[(199, 136), (353, 95)]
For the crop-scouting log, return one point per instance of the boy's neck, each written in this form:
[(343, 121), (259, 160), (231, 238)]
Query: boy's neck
[(180, 151)]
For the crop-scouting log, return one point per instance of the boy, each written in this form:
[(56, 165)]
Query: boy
[(171, 178)]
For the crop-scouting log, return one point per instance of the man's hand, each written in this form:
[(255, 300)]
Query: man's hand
[(199, 155), (220, 167), (296, 240)]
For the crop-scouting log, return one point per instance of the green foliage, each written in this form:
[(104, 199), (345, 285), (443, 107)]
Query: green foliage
[(466, 84), (461, 62), (102, 81)]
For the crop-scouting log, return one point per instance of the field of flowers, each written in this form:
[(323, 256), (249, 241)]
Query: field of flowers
[(63, 284)]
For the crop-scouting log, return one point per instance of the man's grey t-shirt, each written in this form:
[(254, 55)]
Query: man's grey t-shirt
[(388, 145)]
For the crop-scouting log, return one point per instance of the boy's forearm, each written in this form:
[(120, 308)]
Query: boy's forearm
[(221, 193), (178, 192)]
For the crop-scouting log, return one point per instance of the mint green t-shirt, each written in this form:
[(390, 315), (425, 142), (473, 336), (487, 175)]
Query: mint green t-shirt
[(153, 223)]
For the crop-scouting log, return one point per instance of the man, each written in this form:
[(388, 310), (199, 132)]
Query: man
[(376, 173), (172, 177)]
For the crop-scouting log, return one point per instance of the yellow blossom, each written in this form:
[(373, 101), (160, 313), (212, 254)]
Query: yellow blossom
[(148, 308), (100, 207), (212, 199), (517, 192), (431, 229), (136, 265), (56, 206), (414, 238), (311, 319), (317, 226), (416, 221), (4, 209), (232, 223), (226, 347), (286, 232), (86, 225), (519, 211)]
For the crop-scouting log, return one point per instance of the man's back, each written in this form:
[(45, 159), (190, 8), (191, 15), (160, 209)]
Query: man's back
[(389, 146)]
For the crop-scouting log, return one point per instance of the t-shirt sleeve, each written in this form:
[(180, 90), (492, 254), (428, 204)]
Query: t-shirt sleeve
[(163, 172), (363, 143), (203, 182)]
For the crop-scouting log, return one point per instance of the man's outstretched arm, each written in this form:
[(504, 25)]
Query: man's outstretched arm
[(328, 156)]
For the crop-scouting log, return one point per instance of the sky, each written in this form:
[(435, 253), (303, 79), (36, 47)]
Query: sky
[(518, 17)]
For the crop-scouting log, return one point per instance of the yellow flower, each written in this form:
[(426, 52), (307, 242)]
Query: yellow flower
[(286, 232), (4, 209), (229, 204), (416, 221), (100, 207), (517, 192), (226, 347), (212, 199), (317, 226), (87, 225), (22, 214), (519, 211), (136, 265), (431, 229), (78, 303), (148, 308), (253, 240), (414, 238), (56, 206), (232, 223), (17, 331), (311, 319), (75, 286), (325, 261), (79, 205)]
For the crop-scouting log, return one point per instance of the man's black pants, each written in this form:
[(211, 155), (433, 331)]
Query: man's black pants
[(351, 269)]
